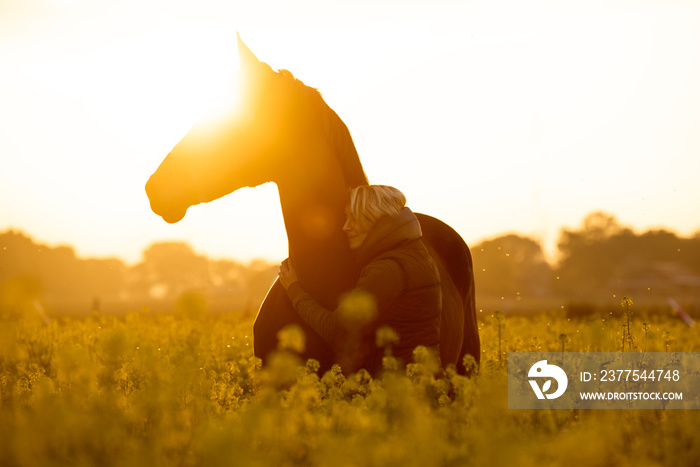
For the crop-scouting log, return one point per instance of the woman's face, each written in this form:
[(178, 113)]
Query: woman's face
[(356, 234)]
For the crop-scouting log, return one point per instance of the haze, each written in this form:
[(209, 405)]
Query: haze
[(493, 116)]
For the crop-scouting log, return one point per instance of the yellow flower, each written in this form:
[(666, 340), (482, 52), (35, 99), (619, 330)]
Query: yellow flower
[(386, 336), (292, 338), (357, 309)]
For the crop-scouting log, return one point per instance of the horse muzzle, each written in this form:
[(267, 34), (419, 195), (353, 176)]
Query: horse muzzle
[(167, 205)]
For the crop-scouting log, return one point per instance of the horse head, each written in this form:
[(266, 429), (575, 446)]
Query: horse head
[(246, 145)]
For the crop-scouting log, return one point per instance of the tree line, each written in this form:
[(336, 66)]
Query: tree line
[(599, 262), (170, 276)]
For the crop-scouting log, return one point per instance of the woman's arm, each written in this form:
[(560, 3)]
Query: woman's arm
[(380, 281), (321, 320)]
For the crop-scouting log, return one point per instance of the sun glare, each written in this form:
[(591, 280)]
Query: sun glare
[(222, 103), (170, 76)]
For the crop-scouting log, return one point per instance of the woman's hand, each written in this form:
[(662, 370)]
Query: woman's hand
[(287, 274)]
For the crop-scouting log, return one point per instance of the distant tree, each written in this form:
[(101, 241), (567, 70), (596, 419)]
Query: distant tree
[(588, 257), (690, 251), (168, 269), (19, 255), (33, 271), (511, 265), (603, 258), (226, 274)]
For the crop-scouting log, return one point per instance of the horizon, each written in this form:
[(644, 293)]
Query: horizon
[(494, 117), (248, 260)]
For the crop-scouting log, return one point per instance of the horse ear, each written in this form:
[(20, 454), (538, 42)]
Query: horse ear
[(247, 58)]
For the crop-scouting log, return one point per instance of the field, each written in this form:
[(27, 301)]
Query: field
[(185, 390)]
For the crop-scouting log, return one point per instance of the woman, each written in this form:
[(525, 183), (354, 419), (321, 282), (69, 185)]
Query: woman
[(399, 285)]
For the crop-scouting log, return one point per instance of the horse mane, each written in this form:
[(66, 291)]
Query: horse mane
[(334, 129)]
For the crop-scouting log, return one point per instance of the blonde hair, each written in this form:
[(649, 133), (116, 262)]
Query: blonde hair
[(369, 203)]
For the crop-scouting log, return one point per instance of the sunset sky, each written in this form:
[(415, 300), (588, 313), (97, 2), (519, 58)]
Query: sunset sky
[(495, 116)]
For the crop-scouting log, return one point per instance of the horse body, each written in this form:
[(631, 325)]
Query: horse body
[(292, 138), (459, 330)]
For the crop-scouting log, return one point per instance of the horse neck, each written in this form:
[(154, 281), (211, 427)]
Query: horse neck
[(312, 196)]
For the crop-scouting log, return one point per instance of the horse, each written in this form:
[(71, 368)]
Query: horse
[(286, 134)]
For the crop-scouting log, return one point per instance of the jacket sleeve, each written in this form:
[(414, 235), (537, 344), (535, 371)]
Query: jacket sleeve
[(382, 280)]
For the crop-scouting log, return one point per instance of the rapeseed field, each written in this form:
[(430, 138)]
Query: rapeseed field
[(185, 390)]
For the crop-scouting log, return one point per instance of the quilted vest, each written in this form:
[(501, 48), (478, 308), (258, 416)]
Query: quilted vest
[(415, 315)]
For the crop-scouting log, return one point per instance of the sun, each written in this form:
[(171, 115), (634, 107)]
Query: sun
[(222, 104)]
